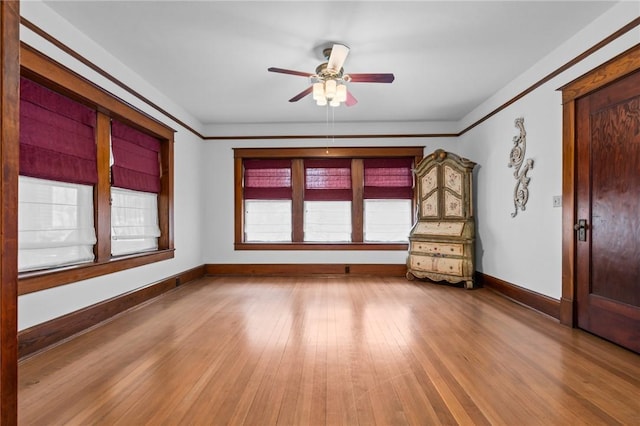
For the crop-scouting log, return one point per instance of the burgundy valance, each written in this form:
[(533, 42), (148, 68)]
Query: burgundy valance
[(57, 136), (136, 159), (327, 179), (388, 178), (268, 179)]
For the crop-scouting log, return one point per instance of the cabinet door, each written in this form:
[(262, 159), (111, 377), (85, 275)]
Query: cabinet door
[(453, 180), (453, 192), (453, 205), (429, 196)]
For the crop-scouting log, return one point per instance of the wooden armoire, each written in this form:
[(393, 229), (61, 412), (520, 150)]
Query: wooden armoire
[(442, 241)]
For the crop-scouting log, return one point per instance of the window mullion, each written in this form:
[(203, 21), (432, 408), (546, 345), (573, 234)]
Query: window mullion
[(297, 200), (102, 190), (357, 185)]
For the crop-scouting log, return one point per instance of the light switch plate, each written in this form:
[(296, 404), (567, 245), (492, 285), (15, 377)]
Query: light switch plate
[(557, 201)]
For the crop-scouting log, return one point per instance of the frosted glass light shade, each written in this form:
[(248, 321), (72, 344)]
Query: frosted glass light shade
[(318, 91), (330, 89), (341, 93)]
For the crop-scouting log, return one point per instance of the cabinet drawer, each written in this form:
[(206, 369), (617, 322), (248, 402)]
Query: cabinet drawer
[(437, 248), (441, 265)]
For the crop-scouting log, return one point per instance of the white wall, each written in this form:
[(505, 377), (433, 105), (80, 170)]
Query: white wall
[(35, 308), (526, 250), (218, 173)]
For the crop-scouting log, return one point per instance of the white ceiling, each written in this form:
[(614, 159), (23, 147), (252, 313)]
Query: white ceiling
[(211, 57)]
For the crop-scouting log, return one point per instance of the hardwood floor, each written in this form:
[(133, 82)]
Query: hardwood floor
[(330, 351)]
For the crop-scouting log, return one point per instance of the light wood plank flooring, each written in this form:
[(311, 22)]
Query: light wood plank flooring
[(330, 351)]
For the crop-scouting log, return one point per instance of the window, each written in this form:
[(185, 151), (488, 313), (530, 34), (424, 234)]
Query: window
[(387, 220), (267, 220), (267, 207), (135, 175), (134, 221), (55, 223), (327, 221), (82, 215), (388, 195), (327, 200), (57, 174), (346, 198)]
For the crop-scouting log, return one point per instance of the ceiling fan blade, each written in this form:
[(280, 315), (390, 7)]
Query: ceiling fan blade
[(351, 101), (292, 72), (338, 55), (372, 78), (302, 94)]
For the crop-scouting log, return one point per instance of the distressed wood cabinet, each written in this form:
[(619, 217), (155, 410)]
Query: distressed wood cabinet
[(442, 241)]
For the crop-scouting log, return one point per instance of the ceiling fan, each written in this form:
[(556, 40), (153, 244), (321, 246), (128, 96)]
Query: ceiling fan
[(329, 81)]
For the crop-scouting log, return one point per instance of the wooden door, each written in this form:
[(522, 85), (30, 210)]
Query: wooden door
[(608, 198)]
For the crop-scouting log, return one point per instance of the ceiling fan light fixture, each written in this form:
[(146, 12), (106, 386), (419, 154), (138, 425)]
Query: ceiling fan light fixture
[(329, 91)]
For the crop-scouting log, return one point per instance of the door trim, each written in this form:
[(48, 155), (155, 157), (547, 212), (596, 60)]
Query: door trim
[(616, 68), (9, 156)]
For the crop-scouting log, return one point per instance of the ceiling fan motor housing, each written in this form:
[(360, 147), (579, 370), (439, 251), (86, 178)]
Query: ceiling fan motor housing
[(325, 73)]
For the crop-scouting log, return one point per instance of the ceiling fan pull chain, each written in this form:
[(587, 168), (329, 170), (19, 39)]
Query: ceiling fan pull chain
[(333, 126), (327, 128)]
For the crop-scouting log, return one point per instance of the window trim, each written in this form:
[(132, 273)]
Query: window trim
[(43, 70), (297, 172)]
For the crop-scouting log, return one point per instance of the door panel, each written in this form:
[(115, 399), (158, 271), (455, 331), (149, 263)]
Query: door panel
[(608, 196)]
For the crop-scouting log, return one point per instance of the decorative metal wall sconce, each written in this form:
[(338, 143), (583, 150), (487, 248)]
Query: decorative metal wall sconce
[(516, 158)]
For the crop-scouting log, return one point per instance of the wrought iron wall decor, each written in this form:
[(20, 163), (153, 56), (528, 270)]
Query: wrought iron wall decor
[(516, 158)]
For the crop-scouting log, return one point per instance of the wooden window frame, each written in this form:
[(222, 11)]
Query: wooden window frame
[(297, 155), (49, 73)]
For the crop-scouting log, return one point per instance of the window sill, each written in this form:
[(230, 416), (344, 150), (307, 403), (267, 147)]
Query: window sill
[(29, 282), (322, 246)]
